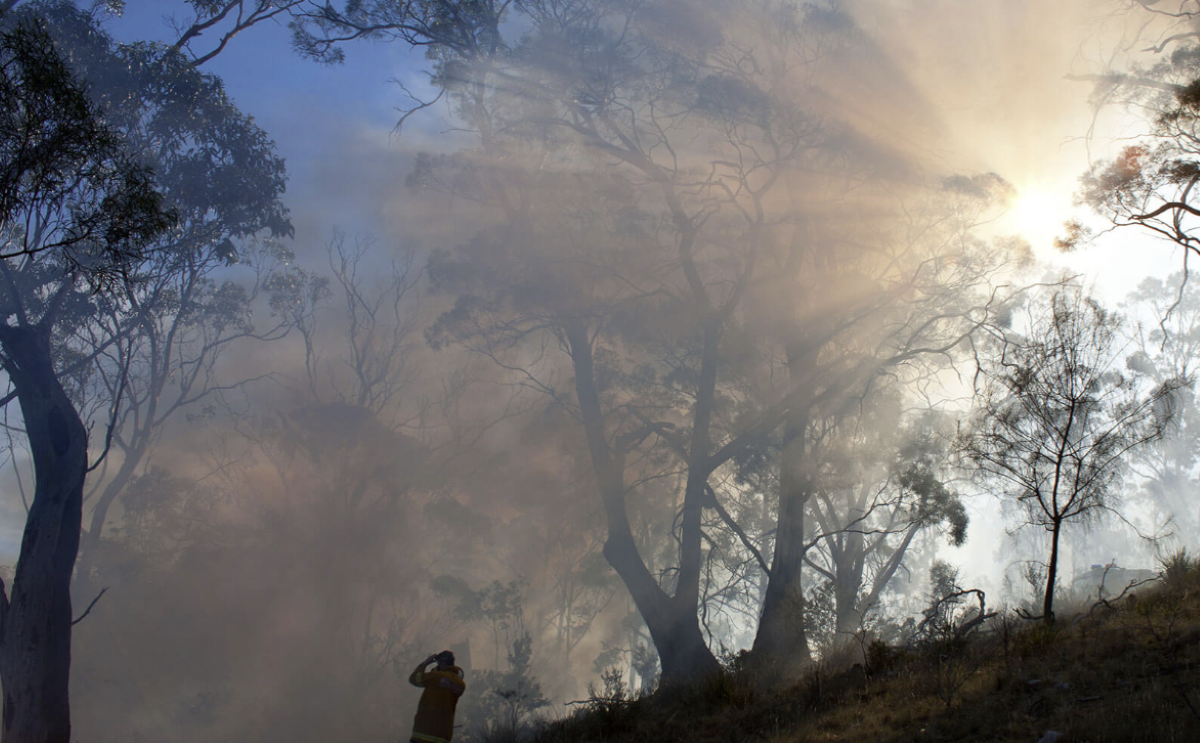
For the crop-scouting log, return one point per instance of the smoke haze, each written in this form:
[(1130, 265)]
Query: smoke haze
[(402, 457)]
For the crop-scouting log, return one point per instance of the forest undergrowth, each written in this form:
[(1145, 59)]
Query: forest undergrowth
[(1123, 669)]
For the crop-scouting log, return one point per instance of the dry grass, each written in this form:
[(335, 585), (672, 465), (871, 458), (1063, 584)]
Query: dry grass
[(1127, 671)]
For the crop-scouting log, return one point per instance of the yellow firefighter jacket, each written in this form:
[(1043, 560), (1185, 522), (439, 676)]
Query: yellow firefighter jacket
[(435, 712)]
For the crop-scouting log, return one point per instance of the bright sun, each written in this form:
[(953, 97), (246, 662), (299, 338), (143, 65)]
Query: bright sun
[(1039, 214)]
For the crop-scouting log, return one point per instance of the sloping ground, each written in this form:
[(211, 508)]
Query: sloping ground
[(1127, 671)]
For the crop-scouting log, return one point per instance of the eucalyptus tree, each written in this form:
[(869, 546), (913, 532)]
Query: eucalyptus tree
[(76, 216), (1058, 416), (206, 29), (672, 235), (879, 289), (219, 20), (1166, 348), (642, 168), (1149, 187), (126, 315), (152, 349), (882, 482), (1150, 184)]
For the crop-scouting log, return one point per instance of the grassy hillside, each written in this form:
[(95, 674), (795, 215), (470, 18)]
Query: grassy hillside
[(1126, 670)]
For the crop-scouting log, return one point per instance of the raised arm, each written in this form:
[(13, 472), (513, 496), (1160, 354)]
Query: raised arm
[(416, 677)]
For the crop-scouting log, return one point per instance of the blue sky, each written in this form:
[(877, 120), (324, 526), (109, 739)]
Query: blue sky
[(332, 124)]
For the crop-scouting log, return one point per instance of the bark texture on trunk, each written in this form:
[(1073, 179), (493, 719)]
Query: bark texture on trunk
[(35, 620)]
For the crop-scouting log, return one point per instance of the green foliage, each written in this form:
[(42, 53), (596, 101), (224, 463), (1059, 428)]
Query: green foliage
[(217, 180), (820, 615), (945, 600), (505, 702), (1150, 183), (64, 167), (1059, 418), (921, 464), (217, 168), (1180, 569), (610, 710), (870, 528), (882, 658), (613, 691)]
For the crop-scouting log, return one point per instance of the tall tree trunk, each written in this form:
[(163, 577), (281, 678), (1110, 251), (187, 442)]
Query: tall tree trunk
[(847, 608), (673, 622), (850, 567), (686, 601), (35, 622), (781, 636), (1051, 574)]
